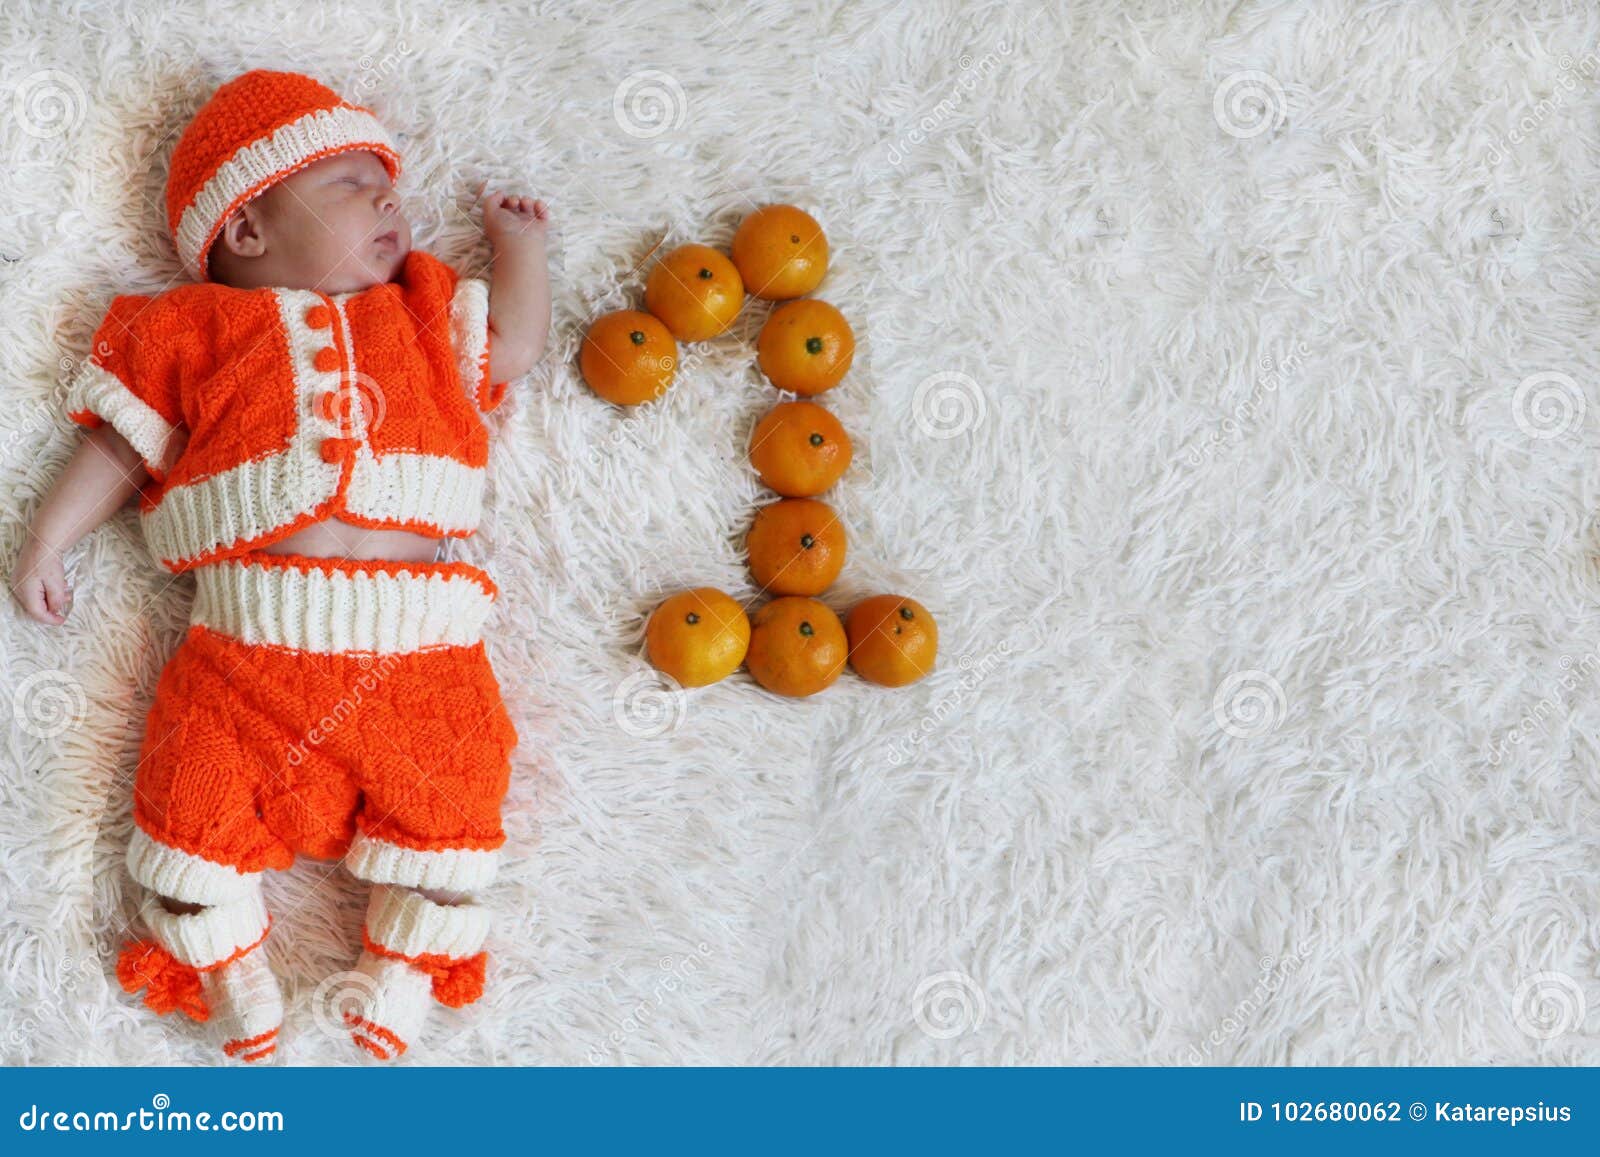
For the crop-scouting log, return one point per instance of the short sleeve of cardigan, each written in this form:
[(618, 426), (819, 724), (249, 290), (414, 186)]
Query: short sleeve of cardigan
[(131, 378), (469, 334)]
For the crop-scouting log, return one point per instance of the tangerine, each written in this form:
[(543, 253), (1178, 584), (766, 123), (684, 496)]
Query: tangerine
[(628, 357), (797, 647), (695, 291), (781, 252), (799, 449), (796, 546), (698, 636), (893, 640), (805, 347)]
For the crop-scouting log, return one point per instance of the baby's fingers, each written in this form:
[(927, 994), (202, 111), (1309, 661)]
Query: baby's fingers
[(40, 602), (57, 596)]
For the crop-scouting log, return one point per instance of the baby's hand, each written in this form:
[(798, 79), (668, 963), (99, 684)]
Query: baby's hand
[(39, 584), (513, 220)]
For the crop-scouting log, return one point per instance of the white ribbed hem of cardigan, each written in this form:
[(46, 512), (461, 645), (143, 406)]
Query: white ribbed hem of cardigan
[(409, 924), (185, 876), (246, 503), (453, 869), (336, 611), (103, 394), (206, 938), (402, 487), (256, 166)]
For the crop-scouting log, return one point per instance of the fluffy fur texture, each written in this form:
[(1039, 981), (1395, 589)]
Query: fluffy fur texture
[(1249, 551)]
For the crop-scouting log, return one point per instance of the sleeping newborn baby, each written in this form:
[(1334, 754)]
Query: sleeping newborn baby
[(304, 427)]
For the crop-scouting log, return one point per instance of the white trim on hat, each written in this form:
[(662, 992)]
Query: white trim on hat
[(257, 165)]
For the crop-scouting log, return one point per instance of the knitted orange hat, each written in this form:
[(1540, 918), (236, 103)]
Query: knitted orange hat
[(253, 132)]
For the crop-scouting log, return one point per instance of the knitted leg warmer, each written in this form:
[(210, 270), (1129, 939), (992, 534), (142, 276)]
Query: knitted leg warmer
[(415, 952), (210, 966)]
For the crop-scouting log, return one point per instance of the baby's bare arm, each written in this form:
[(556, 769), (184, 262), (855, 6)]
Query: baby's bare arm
[(519, 286), (102, 474)]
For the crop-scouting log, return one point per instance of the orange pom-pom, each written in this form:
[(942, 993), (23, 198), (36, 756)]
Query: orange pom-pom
[(461, 981), (169, 984), (456, 982)]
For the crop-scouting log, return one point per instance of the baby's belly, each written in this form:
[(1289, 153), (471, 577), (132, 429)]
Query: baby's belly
[(334, 538)]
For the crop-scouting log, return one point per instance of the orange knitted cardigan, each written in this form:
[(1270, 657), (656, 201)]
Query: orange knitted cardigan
[(258, 412)]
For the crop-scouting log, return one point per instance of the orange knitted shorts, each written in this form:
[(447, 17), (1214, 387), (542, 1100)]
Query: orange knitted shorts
[(331, 707)]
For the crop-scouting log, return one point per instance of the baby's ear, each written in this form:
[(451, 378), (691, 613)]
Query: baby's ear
[(242, 234)]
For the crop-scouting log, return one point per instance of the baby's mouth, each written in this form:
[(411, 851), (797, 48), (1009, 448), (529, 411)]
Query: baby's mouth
[(392, 237)]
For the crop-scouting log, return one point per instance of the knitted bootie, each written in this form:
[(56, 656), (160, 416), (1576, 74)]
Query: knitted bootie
[(251, 1006), (210, 965), (415, 952)]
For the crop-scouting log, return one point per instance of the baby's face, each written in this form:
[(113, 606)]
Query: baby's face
[(333, 226)]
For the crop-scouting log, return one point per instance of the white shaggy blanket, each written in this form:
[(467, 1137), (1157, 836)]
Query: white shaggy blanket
[(1228, 391)]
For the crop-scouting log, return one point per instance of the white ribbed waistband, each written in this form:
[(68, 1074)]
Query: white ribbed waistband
[(336, 605)]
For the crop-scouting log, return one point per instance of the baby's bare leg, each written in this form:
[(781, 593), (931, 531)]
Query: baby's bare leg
[(444, 896), (178, 907)]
